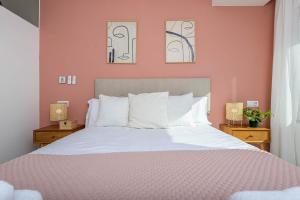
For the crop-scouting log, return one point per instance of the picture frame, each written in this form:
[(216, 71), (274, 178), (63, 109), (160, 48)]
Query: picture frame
[(180, 41), (121, 39)]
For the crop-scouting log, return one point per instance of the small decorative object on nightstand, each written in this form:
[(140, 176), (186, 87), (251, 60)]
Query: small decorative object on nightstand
[(255, 116), (67, 125), (259, 137), (59, 113), (234, 113), (49, 134)]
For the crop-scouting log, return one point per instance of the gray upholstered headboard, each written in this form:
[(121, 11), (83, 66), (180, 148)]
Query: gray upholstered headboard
[(176, 86)]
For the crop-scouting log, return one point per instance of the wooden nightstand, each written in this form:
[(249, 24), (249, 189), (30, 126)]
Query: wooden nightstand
[(259, 137), (49, 134)]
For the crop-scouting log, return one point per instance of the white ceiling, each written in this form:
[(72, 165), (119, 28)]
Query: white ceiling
[(240, 2)]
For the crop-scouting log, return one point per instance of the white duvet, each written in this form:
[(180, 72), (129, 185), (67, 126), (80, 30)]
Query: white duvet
[(121, 139)]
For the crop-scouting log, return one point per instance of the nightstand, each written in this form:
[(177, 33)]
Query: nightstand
[(49, 134), (259, 137)]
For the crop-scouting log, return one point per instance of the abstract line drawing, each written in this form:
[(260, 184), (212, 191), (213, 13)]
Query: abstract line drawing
[(121, 42), (180, 41)]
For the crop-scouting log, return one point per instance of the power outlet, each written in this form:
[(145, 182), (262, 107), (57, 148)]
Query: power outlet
[(253, 104)]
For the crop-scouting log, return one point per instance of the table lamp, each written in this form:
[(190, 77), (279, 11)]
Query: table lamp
[(58, 112), (234, 113)]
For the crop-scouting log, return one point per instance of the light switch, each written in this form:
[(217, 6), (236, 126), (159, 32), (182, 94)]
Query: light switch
[(253, 104), (69, 81), (62, 80), (73, 80)]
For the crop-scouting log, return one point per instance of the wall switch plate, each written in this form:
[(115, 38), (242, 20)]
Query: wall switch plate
[(73, 80), (64, 102), (69, 81), (62, 80), (253, 104)]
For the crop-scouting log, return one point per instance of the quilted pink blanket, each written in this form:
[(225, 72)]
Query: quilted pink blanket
[(177, 175)]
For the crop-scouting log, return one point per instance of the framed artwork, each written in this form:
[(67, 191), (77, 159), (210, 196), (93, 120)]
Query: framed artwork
[(180, 41), (121, 42)]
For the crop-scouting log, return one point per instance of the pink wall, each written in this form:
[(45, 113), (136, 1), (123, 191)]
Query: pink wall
[(234, 49)]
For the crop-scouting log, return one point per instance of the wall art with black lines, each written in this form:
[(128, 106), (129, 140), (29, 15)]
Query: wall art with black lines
[(180, 41), (121, 42)]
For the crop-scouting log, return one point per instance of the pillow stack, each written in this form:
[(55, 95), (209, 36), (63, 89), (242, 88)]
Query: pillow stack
[(147, 110)]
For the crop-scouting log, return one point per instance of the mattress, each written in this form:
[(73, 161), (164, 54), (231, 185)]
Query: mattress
[(195, 163), (123, 139)]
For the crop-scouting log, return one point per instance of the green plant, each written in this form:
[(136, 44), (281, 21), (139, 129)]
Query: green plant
[(256, 115)]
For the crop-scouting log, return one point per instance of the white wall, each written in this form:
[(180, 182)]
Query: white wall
[(19, 85)]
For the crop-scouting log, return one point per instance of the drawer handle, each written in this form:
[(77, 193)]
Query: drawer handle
[(250, 136)]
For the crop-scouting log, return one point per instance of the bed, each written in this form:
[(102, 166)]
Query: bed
[(120, 163)]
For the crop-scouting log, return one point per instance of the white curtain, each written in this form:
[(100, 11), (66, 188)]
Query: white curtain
[(285, 123)]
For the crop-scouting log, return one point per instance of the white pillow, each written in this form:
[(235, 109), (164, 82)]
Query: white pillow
[(148, 110), (200, 110), (113, 111), (92, 113), (180, 110)]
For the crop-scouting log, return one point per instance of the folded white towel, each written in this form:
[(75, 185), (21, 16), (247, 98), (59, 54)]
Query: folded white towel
[(7, 192), (288, 194)]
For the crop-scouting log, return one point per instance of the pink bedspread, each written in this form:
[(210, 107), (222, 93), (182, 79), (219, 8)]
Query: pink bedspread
[(177, 175)]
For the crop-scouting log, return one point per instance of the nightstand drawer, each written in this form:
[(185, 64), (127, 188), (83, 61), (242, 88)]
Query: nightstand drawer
[(51, 133), (251, 135), (49, 137)]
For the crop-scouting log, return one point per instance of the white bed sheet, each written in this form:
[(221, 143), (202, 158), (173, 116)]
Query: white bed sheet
[(122, 139)]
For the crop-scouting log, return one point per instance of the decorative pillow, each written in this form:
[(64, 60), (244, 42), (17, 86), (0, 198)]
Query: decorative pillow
[(200, 110), (180, 110), (113, 111), (148, 110), (92, 113)]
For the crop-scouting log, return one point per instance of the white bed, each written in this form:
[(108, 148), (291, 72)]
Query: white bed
[(164, 164), (122, 139), (182, 162), (93, 139)]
